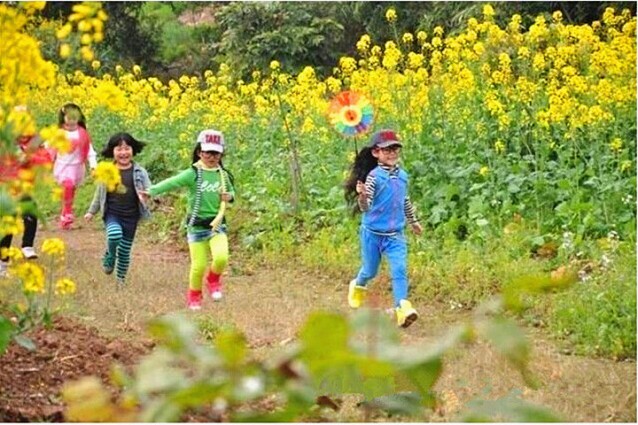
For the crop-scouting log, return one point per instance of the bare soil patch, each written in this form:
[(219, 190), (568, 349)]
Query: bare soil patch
[(31, 381)]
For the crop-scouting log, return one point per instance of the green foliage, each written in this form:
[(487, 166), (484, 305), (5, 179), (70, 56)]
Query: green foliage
[(598, 316), (507, 409), (333, 356), (6, 331), (296, 34)]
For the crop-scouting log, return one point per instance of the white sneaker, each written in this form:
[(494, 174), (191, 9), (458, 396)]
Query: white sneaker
[(29, 253), (3, 268), (216, 295)]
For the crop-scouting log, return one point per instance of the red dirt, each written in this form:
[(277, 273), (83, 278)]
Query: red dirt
[(31, 381)]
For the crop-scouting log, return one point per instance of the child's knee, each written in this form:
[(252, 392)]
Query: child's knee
[(219, 263)]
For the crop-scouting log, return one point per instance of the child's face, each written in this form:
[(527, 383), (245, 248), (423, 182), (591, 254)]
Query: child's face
[(123, 155), (71, 119), (210, 159), (387, 156)]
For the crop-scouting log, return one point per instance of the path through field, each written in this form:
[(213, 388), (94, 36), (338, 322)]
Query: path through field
[(270, 304)]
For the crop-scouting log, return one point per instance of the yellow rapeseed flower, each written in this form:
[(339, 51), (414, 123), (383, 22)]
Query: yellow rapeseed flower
[(65, 51), (64, 31), (421, 36), (625, 165), (10, 225), (32, 276), (488, 11), (616, 144), (96, 65), (107, 174), (275, 65), (12, 253), (408, 38), (87, 53), (484, 171), (65, 287), (391, 15), (499, 146), (55, 138), (53, 247)]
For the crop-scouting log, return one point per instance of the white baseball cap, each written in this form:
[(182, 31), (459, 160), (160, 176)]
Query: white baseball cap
[(211, 141)]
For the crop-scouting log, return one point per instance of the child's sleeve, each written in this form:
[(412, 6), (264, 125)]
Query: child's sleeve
[(410, 211), (185, 178), (229, 186), (92, 156), (94, 208), (371, 184), (146, 180)]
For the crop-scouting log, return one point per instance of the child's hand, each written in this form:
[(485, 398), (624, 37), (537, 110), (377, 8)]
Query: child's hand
[(361, 187), (226, 197), (88, 216), (417, 229), (143, 195)]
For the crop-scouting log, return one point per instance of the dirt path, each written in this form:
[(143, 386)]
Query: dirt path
[(270, 305)]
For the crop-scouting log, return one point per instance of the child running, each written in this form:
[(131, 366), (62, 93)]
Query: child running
[(123, 208), (69, 168), (34, 154), (386, 206), (209, 186)]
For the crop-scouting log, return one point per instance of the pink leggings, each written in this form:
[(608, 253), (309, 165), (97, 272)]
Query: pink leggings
[(67, 197)]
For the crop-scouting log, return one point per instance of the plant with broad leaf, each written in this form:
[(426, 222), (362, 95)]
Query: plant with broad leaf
[(333, 355), (38, 284)]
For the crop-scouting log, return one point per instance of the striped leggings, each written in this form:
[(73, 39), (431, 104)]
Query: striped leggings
[(120, 233)]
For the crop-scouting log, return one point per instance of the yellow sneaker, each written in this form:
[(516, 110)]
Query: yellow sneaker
[(356, 294), (406, 314)]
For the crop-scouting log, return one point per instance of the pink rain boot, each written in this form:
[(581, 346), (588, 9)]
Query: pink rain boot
[(214, 285)]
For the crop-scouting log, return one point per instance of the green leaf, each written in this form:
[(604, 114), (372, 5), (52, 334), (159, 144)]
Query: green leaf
[(197, 394), (25, 342), (156, 373), (6, 329), (482, 222), (510, 341), (174, 331), (324, 333), (232, 347), (160, 410), (509, 408), (406, 403)]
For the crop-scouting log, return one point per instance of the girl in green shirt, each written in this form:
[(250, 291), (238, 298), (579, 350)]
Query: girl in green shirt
[(210, 187)]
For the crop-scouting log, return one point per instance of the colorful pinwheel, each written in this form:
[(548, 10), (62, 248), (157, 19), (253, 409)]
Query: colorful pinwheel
[(350, 113)]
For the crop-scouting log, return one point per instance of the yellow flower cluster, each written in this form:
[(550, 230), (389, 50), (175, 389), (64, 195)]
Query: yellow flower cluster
[(10, 225), (55, 138), (53, 247), (89, 19), (573, 77), (31, 274), (65, 287), (391, 15), (107, 174), (12, 253)]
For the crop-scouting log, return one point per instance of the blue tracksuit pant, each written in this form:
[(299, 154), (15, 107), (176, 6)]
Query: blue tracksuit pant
[(395, 248)]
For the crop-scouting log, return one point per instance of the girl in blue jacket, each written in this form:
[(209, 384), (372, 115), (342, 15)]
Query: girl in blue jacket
[(379, 188)]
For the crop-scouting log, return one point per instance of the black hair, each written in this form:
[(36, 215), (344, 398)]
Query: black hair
[(117, 139), (364, 162), (68, 107), (195, 158)]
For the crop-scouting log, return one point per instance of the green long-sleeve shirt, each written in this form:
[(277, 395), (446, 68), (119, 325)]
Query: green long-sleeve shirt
[(211, 189)]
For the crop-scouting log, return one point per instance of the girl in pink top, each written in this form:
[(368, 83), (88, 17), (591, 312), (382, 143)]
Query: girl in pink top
[(69, 168)]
